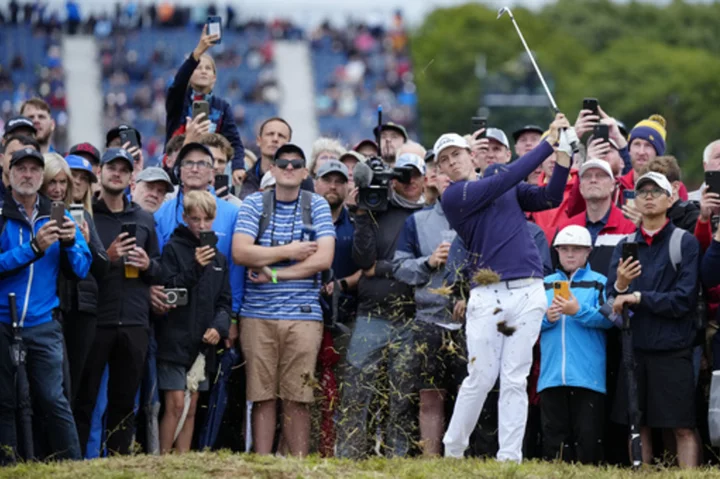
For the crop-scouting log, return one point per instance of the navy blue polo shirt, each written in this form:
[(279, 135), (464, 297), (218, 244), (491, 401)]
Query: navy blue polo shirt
[(596, 227)]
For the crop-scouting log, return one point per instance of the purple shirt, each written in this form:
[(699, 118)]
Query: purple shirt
[(488, 214)]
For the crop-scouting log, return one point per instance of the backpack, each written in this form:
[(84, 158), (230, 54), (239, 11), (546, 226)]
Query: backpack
[(675, 252), (268, 202)]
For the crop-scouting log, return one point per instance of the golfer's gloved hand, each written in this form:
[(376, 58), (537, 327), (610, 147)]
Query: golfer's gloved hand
[(567, 136)]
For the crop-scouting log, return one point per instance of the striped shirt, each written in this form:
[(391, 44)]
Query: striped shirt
[(298, 299)]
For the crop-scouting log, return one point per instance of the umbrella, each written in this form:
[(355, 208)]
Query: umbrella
[(195, 376), (218, 399), (18, 354), (628, 357), (151, 401)]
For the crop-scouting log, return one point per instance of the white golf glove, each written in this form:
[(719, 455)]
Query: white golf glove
[(567, 138)]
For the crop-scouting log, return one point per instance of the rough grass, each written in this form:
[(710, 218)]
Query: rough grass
[(225, 464)]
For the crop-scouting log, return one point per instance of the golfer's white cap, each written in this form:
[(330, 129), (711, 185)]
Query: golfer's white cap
[(447, 140), (598, 164)]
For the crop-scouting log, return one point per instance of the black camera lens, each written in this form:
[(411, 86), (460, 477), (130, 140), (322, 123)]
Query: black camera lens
[(373, 200)]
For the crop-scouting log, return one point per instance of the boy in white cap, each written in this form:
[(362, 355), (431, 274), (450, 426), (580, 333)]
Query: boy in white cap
[(572, 345)]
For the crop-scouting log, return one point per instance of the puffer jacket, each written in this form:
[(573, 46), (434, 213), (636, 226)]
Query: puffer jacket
[(573, 348), (180, 332)]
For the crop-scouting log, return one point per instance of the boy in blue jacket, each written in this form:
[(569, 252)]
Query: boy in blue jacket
[(199, 73), (572, 346)]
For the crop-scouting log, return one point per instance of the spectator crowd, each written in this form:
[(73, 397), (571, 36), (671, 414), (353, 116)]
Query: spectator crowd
[(558, 305)]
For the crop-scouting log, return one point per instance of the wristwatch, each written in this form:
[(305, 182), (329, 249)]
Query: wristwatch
[(638, 296)]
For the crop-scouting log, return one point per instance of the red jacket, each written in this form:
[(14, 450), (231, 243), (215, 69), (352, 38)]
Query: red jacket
[(549, 220)]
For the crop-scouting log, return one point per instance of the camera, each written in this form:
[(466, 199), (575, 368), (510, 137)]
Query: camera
[(376, 195), (177, 297)]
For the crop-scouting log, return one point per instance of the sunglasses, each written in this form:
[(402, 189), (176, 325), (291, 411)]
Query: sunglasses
[(296, 164)]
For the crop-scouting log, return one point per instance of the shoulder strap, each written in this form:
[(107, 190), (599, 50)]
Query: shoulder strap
[(306, 198), (675, 247), (268, 205)]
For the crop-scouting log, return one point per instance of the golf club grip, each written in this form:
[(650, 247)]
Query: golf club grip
[(13, 308)]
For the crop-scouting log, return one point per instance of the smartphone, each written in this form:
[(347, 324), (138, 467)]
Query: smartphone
[(57, 212), (129, 136), (712, 180), (220, 182), (214, 27), (630, 249), (601, 131), (592, 105), (130, 229), (562, 289), (479, 122), (78, 213), (208, 238), (176, 296), (201, 106), (629, 197)]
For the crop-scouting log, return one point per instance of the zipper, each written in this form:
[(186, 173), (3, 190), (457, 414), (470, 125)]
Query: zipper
[(32, 271), (563, 351)]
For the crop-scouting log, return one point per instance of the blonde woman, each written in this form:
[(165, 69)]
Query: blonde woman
[(83, 177), (78, 297)]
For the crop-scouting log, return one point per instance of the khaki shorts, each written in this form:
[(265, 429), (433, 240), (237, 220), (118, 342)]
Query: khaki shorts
[(280, 358)]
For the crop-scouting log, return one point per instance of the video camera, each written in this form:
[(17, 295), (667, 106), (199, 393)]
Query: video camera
[(373, 180)]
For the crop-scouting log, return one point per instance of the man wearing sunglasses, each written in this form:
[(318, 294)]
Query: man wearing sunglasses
[(661, 287), (281, 317)]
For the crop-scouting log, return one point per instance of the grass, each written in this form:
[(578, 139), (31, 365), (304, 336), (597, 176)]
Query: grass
[(225, 464)]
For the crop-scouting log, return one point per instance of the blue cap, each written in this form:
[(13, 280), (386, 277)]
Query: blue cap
[(79, 163), (411, 159), (113, 154)]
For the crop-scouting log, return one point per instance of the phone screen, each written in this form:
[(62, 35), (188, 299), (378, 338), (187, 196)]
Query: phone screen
[(712, 180), (214, 27), (629, 197)]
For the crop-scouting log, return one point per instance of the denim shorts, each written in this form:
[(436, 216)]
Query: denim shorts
[(173, 377)]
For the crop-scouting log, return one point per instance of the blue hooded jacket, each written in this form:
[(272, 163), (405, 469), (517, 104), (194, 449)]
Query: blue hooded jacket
[(169, 216), (572, 350), (32, 274)]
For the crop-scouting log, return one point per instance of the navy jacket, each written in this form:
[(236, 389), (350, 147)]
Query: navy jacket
[(178, 106), (663, 321)]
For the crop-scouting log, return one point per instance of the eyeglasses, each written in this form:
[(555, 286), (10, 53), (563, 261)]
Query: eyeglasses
[(296, 164), (202, 165), (653, 192)]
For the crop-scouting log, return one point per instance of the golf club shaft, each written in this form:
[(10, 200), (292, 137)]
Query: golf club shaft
[(535, 65)]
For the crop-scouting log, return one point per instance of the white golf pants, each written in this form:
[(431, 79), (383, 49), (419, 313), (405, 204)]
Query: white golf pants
[(521, 304)]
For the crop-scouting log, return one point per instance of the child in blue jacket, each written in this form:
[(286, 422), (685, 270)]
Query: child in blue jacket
[(199, 73), (572, 347)]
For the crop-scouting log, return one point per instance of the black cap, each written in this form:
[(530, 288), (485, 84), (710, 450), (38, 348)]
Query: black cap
[(86, 148), (516, 134), (429, 156), (113, 154), (391, 126), (20, 155), (17, 122), (115, 133), (193, 147), (289, 148)]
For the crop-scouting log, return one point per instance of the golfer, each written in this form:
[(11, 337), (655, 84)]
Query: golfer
[(507, 299)]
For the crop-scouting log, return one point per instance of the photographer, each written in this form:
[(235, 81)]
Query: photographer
[(383, 326), (202, 271), (29, 267), (122, 335)]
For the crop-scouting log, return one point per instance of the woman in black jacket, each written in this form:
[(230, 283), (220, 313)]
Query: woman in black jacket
[(182, 335), (78, 297)]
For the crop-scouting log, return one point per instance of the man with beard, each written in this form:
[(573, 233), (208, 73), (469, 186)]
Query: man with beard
[(13, 143), (29, 267), (38, 111), (392, 137), (122, 335)]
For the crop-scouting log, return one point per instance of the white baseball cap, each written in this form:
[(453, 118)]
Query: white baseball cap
[(447, 140), (657, 178), (599, 164), (411, 159), (573, 235)]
